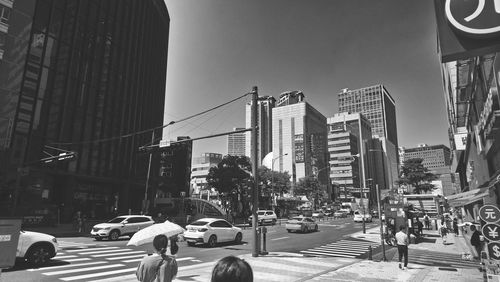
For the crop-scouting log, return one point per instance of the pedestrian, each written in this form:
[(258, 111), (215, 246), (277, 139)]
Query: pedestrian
[(160, 218), (455, 226), (403, 242), (444, 232), (232, 269), (159, 267), (420, 226), (427, 221), (475, 240)]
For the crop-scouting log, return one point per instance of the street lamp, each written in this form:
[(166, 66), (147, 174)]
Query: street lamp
[(272, 178)]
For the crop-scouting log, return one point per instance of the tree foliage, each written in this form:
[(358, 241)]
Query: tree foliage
[(413, 173), (269, 179), (307, 186)]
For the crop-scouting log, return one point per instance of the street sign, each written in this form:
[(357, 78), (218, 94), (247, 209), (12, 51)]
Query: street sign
[(494, 250), (489, 213), (491, 231)]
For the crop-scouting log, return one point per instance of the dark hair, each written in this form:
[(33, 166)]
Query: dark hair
[(160, 242), (401, 227), (473, 227), (232, 269)]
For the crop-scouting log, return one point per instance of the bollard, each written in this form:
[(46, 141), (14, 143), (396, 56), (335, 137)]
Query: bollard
[(370, 253), (259, 231), (264, 251)]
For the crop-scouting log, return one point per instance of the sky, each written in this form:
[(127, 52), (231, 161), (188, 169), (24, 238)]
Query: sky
[(220, 49)]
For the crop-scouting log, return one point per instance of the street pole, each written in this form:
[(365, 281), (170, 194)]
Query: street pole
[(145, 201), (361, 153), (381, 226), (255, 192)]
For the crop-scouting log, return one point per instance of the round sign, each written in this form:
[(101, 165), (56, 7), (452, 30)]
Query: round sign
[(494, 250), (491, 231), (476, 18), (489, 213)]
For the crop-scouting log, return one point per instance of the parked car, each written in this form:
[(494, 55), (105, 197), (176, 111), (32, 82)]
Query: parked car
[(211, 231), (328, 212), (302, 224), (318, 214), (121, 226), (340, 214), (358, 217), (264, 216), (36, 248)]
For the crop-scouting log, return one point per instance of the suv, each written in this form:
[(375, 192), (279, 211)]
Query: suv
[(264, 216), (36, 248), (120, 226)]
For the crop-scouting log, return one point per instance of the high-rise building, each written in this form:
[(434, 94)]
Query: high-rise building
[(265, 107), (199, 171), (79, 77), (299, 136), (344, 157), (377, 105), (175, 169), (437, 159), (236, 143)]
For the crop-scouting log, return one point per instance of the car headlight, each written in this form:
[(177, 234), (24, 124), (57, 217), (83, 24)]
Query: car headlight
[(106, 228), (54, 240)]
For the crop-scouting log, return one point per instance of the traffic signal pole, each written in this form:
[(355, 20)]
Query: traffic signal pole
[(254, 157)]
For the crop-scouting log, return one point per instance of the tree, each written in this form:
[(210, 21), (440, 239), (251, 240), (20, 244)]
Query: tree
[(268, 178), (231, 178), (414, 173), (307, 186)]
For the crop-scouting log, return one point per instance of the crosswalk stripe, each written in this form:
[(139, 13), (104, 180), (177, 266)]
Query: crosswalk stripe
[(90, 249), (64, 257), (82, 269), (139, 259), (67, 266), (363, 249), (127, 257), (133, 260), (77, 259), (106, 251), (337, 251), (327, 254), (92, 275), (117, 279), (118, 253)]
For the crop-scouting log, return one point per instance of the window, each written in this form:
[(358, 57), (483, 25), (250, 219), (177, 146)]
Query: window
[(4, 14)]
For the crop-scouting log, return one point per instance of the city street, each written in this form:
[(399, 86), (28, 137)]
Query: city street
[(83, 259)]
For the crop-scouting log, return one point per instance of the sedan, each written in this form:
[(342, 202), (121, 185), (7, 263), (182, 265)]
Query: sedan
[(339, 214), (302, 224), (358, 217), (211, 231)]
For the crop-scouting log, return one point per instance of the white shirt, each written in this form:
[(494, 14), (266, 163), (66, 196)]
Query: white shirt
[(402, 238)]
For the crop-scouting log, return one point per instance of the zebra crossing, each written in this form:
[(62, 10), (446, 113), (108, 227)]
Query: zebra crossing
[(343, 248), (68, 245), (101, 263), (437, 259)]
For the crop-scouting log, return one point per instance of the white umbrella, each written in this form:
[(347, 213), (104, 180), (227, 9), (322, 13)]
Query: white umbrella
[(146, 235)]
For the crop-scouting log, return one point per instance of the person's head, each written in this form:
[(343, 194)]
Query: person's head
[(472, 228), (402, 228), (160, 243), (232, 269)]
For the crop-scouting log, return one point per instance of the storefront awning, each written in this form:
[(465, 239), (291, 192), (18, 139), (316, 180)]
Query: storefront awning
[(469, 197)]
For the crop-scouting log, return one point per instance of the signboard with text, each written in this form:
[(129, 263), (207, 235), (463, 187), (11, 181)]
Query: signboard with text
[(489, 213)]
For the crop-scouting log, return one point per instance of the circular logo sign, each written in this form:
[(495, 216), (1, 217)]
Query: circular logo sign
[(474, 17), (489, 213), (491, 231), (494, 250)]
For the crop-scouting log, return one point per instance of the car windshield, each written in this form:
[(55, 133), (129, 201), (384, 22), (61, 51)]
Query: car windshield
[(261, 213), (117, 219), (199, 223)]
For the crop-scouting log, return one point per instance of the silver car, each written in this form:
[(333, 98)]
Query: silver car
[(302, 224)]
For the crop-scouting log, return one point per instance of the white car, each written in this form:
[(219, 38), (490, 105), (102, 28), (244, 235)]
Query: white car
[(36, 248), (121, 226), (211, 231), (358, 217), (264, 216), (302, 224)]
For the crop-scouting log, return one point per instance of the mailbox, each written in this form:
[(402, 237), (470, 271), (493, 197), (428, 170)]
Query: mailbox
[(9, 237)]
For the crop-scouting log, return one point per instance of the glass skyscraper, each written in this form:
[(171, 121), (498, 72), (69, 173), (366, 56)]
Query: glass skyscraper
[(85, 77)]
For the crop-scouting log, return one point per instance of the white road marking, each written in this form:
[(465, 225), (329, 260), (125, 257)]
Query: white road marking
[(78, 259), (118, 253), (91, 249), (66, 266), (106, 251), (82, 269), (133, 269), (281, 238), (64, 257)]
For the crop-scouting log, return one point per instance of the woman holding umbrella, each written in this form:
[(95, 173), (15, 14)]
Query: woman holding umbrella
[(161, 267)]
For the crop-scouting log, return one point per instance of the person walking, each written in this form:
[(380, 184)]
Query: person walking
[(475, 240), (427, 221), (443, 231), (420, 227), (455, 226), (160, 267), (403, 242)]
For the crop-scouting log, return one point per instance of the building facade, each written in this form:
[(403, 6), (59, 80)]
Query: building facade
[(378, 106), (265, 107), (79, 77), (299, 136), (199, 171), (470, 64), (236, 143)]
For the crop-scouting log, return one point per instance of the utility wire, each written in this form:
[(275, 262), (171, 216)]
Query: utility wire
[(147, 130)]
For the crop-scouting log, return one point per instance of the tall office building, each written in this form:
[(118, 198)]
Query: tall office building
[(83, 77), (299, 136), (348, 164), (437, 159), (265, 107), (236, 143), (377, 105), (199, 172)]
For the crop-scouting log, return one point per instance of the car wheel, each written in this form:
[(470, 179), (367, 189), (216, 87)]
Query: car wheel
[(289, 231), (238, 238), (191, 244), (39, 255), (316, 228), (114, 235), (98, 238), (212, 241)]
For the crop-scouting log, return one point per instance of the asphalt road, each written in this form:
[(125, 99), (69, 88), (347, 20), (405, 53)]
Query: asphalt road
[(83, 259)]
